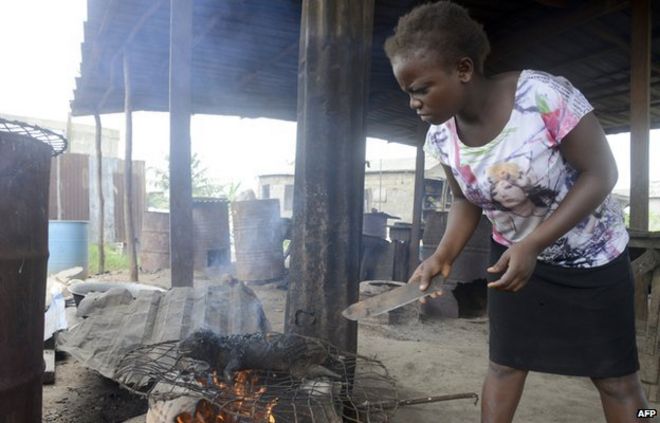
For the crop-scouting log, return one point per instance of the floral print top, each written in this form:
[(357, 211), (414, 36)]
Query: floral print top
[(520, 177)]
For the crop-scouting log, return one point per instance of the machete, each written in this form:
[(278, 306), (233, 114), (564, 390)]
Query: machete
[(390, 300)]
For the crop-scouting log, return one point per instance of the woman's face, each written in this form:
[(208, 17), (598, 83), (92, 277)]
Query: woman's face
[(508, 194), (435, 92)]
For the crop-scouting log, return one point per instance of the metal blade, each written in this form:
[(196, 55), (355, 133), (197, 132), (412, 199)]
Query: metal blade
[(390, 300)]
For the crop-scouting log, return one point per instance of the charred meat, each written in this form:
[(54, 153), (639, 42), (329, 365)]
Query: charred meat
[(300, 357)]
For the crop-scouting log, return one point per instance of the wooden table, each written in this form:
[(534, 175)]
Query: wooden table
[(646, 270)]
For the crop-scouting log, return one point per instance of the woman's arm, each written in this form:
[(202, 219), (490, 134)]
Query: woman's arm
[(462, 221), (585, 148)]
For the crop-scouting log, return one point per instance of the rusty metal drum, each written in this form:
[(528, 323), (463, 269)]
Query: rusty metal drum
[(211, 233), (155, 241), (471, 264), (258, 239), (24, 180)]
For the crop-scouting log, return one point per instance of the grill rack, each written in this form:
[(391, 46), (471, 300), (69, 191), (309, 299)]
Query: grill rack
[(365, 392), (56, 141)]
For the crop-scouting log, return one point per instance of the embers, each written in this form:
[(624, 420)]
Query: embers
[(238, 402)]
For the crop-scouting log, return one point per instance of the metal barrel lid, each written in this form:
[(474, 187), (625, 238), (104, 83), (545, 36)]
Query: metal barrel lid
[(56, 141)]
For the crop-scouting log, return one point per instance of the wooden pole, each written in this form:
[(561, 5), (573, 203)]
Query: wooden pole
[(418, 202), (333, 75), (640, 122), (99, 187), (128, 172), (181, 230)]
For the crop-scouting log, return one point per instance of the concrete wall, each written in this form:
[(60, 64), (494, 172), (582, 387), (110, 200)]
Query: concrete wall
[(391, 192)]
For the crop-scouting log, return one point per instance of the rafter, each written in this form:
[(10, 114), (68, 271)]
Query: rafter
[(522, 39)]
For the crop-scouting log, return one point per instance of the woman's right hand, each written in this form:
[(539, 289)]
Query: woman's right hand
[(428, 269)]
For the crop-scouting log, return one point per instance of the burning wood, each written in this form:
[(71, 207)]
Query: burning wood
[(249, 408)]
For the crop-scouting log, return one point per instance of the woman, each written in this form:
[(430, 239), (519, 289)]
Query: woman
[(561, 297)]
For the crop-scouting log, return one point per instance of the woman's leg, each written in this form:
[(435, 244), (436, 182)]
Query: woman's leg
[(503, 388), (621, 397)]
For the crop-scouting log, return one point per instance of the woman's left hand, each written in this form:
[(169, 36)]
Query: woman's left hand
[(517, 263)]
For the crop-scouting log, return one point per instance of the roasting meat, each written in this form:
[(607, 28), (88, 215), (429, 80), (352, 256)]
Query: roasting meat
[(300, 357)]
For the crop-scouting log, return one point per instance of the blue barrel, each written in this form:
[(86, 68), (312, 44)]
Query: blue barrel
[(68, 246)]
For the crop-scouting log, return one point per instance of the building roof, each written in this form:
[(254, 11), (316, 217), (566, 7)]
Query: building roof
[(245, 56)]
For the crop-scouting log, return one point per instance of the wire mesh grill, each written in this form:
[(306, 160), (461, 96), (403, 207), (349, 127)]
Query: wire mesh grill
[(56, 141), (363, 391)]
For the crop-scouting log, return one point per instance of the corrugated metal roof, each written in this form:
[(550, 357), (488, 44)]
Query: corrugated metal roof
[(245, 56)]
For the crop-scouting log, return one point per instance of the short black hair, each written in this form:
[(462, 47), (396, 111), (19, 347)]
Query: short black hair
[(442, 27)]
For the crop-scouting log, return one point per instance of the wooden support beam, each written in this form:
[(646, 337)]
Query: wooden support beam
[(640, 120), (99, 188), (181, 228), (129, 226), (418, 199), (333, 82)]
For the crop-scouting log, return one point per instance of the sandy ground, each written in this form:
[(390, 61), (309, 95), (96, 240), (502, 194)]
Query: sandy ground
[(438, 357)]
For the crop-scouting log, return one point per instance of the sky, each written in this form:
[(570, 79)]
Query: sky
[(41, 59)]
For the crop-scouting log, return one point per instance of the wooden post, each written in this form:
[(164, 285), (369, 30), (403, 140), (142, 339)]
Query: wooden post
[(128, 172), (333, 75), (99, 187), (640, 122), (181, 230), (418, 203)]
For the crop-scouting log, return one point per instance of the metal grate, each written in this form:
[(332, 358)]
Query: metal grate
[(56, 141), (363, 391)]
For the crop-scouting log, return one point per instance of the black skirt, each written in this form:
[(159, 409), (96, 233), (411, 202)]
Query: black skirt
[(569, 321)]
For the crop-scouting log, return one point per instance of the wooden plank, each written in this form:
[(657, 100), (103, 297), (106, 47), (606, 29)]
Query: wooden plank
[(640, 123), (649, 350), (646, 262), (181, 227), (99, 188), (418, 198), (129, 221)]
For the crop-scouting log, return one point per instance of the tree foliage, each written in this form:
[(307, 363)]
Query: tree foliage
[(202, 185)]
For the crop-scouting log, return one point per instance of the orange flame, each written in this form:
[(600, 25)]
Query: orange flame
[(241, 402)]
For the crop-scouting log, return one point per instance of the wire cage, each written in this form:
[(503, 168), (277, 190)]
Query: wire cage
[(355, 388), (12, 127)]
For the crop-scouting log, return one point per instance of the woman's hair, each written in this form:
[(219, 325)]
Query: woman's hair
[(444, 28)]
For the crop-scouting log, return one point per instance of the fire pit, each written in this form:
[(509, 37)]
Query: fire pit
[(261, 378)]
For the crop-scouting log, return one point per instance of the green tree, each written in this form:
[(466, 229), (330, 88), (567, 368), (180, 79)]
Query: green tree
[(202, 186)]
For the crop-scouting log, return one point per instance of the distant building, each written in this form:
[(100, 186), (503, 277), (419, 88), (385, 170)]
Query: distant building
[(73, 183), (81, 137), (389, 186), (623, 196)]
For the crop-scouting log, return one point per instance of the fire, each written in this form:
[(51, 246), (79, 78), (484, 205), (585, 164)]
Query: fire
[(241, 402)]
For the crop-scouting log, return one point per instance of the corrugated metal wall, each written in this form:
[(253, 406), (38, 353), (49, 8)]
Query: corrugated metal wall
[(73, 196), (76, 198)]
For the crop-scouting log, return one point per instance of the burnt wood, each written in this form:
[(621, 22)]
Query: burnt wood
[(329, 176)]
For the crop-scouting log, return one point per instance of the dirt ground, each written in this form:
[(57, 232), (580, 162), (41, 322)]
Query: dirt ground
[(438, 357)]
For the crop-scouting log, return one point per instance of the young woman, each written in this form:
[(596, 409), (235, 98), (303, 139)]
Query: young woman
[(526, 149)]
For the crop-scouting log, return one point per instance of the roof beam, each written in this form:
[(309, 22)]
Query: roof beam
[(521, 40), (607, 35)]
